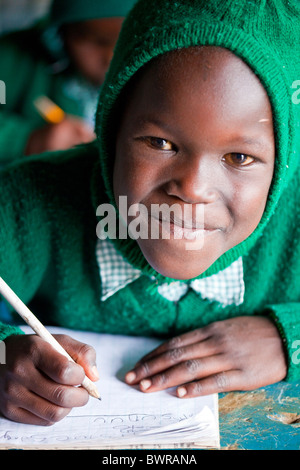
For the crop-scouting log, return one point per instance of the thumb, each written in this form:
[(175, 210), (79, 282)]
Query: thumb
[(87, 134), (82, 353), (84, 131)]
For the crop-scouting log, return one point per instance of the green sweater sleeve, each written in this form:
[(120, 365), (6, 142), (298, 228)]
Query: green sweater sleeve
[(25, 234), (15, 131), (8, 330), (286, 317)]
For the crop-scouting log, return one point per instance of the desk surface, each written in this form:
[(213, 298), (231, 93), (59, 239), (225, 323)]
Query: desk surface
[(266, 419)]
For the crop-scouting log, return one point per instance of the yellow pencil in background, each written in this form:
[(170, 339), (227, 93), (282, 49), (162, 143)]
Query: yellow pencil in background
[(49, 111), (41, 331)]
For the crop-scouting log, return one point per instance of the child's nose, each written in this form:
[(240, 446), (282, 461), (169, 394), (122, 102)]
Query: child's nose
[(194, 181)]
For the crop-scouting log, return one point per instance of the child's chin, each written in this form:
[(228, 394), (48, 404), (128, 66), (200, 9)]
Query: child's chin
[(177, 265), (181, 275)]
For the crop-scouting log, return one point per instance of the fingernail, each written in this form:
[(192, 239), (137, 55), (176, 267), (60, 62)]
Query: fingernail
[(130, 377), (181, 392), (95, 372), (145, 384)]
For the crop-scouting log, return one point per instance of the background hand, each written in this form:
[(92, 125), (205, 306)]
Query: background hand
[(68, 133)]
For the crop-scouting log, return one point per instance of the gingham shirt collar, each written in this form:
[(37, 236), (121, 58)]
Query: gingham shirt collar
[(226, 287)]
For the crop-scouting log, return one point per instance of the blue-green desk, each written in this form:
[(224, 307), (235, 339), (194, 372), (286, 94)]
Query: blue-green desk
[(266, 419)]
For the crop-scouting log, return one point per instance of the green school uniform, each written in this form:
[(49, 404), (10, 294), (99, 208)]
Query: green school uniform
[(48, 241), (48, 203)]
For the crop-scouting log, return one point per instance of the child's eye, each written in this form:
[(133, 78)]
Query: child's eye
[(161, 144), (238, 159)]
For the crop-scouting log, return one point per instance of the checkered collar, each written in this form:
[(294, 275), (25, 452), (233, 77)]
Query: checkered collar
[(226, 287)]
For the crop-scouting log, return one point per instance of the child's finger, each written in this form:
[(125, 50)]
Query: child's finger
[(59, 368), (24, 416), (83, 354), (180, 341), (29, 408), (184, 372), (150, 366), (224, 381), (65, 396), (41, 385)]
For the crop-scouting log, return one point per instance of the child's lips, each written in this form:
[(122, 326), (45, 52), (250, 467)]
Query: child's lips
[(186, 229), (190, 233)]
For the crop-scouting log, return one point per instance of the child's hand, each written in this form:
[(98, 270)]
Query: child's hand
[(64, 135), (37, 383), (241, 353)]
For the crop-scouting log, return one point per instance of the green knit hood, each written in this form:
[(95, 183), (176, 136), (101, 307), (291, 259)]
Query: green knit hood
[(72, 11), (264, 33)]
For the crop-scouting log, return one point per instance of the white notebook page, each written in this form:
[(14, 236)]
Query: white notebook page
[(125, 416)]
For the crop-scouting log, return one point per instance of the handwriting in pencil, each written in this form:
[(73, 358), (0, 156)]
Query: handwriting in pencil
[(96, 427)]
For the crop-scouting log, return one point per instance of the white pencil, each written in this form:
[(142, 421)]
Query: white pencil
[(40, 330)]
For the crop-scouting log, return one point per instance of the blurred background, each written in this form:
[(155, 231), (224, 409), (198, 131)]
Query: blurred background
[(53, 71), (18, 14)]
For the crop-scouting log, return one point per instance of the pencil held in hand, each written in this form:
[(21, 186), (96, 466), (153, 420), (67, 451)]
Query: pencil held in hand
[(49, 110), (41, 331)]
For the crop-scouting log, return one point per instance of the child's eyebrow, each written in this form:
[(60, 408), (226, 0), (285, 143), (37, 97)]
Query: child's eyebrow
[(259, 144), (153, 120), (144, 120)]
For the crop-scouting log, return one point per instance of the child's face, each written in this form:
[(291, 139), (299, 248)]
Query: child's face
[(90, 45), (197, 131)]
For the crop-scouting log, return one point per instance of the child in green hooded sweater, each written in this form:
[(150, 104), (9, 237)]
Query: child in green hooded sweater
[(196, 118), (64, 58)]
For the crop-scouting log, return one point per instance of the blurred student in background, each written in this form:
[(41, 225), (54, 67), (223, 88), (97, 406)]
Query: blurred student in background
[(53, 73)]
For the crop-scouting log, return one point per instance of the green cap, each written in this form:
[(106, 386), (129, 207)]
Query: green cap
[(263, 33), (72, 11)]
